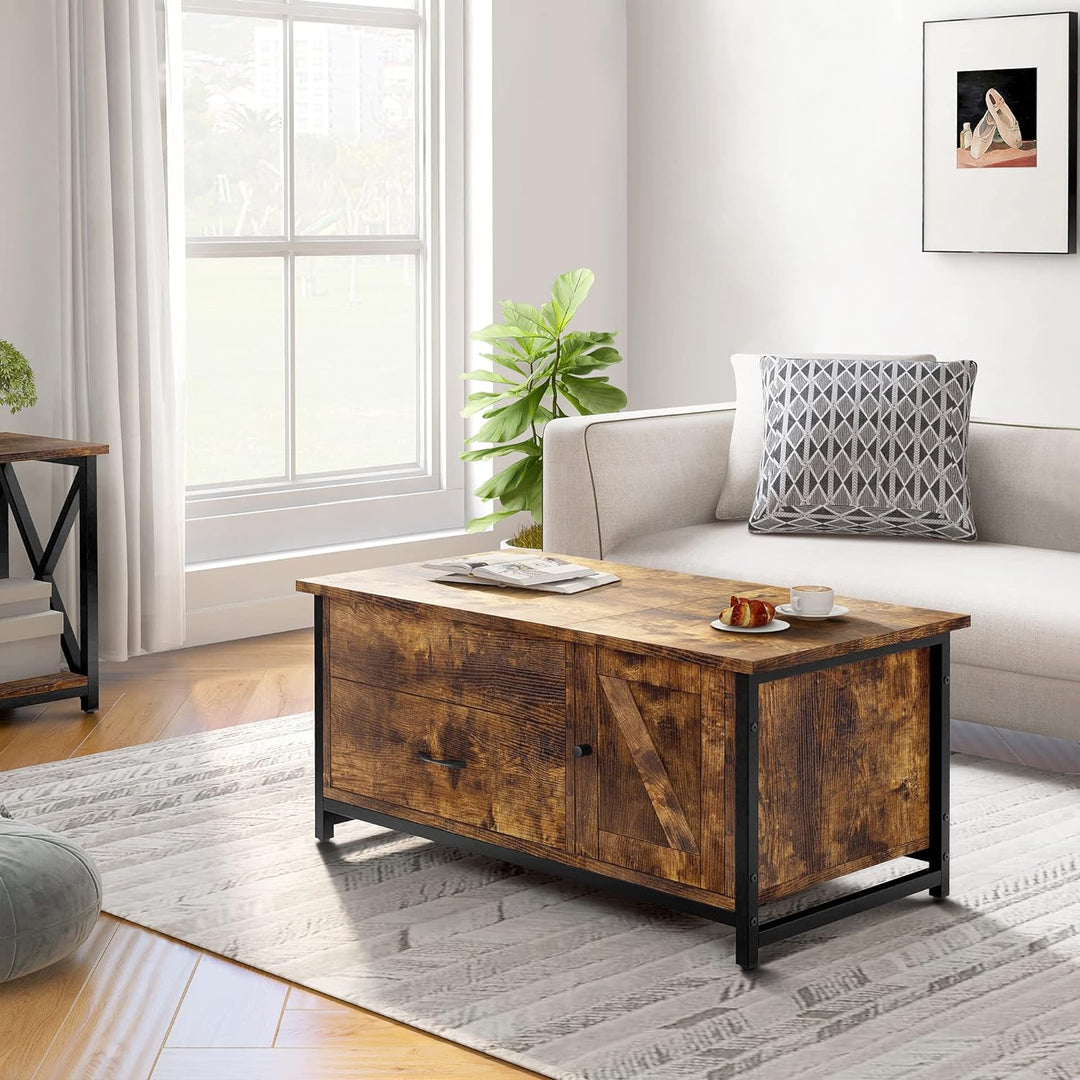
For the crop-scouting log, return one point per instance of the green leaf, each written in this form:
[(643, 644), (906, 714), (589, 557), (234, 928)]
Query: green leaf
[(505, 361), (510, 421), (526, 317), (525, 447), (542, 371), (524, 491), (534, 497), (481, 523), (573, 400), (601, 357), (498, 332), (517, 477), (17, 387), (594, 395), (604, 356), (567, 295), (514, 501), (481, 400), (587, 339), (484, 375)]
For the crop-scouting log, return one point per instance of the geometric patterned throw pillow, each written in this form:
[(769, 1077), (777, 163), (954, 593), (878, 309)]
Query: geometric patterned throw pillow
[(865, 446)]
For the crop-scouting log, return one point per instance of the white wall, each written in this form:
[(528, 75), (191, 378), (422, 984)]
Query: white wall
[(775, 204), (559, 140)]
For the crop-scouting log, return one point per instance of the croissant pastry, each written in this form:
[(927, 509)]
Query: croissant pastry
[(743, 612)]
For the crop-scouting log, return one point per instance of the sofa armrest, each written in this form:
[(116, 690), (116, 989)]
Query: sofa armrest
[(609, 478)]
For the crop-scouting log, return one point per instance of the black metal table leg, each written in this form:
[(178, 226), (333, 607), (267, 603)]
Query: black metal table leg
[(324, 829), (5, 563), (940, 748), (746, 822), (88, 580), (325, 820)]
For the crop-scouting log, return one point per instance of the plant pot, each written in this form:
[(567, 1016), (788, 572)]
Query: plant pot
[(505, 545)]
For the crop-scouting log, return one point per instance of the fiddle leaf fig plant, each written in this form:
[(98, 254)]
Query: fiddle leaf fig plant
[(541, 370), (17, 388)]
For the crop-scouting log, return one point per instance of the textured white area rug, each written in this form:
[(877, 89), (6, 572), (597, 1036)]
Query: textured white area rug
[(208, 838)]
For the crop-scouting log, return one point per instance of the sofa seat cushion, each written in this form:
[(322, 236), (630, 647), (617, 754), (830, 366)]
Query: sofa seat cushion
[(1018, 597)]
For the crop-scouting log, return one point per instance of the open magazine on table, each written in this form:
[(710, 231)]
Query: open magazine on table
[(538, 572)]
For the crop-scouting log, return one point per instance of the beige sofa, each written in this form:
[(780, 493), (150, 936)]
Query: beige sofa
[(642, 487)]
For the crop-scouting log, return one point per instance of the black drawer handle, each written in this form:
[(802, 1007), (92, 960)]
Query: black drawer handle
[(446, 763)]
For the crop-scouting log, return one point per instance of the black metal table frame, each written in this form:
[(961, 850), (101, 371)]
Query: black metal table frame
[(750, 932), (80, 652)]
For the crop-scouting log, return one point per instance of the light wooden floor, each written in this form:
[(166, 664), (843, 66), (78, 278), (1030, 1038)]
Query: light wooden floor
[(132, 1004)]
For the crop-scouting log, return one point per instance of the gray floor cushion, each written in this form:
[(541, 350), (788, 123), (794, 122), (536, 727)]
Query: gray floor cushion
[(50, 897)]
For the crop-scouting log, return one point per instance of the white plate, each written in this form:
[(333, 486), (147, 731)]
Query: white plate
[(769, 628), (837, 611)]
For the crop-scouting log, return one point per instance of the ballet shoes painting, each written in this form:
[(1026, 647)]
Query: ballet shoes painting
[(996, 117), (999, 134)]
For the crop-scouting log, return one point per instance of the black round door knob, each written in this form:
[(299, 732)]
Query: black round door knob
[(582, 750)]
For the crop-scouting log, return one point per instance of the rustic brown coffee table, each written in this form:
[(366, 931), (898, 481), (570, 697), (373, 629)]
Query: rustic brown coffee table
[(614, 737)]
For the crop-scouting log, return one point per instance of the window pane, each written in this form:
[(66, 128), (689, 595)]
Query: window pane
[(232, 125), (397, 5), (354, 118), (236, 407), (356, 362)]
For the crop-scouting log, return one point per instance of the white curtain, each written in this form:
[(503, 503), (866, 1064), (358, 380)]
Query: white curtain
[(121, 377)]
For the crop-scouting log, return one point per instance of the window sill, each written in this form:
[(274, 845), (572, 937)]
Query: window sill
[(339, 549), (230, 537), (234, 598)]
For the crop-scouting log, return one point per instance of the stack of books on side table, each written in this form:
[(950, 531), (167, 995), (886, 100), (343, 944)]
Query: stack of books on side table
[(537, 572), (29, 631)]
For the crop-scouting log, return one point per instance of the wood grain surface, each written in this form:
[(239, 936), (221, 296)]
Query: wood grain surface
[(512, 779), (434, 655), (41, 684), (627, 734), (717, 779), (583, 730), (844, 769), (14, 446), (148, 976), (648, 612)]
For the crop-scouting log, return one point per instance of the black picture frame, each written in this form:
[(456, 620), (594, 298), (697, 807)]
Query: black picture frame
[(1070, 220)]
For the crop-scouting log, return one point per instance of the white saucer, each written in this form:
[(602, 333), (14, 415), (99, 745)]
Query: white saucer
[(837, 611), (769, 628)]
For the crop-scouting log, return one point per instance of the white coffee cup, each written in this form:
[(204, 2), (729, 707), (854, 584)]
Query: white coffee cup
[(811, 599)]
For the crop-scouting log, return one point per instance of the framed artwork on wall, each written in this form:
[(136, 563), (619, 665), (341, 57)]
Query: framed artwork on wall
[(999, 134)]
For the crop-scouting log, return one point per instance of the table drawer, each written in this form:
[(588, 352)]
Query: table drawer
[(437, 656), (503, 773)]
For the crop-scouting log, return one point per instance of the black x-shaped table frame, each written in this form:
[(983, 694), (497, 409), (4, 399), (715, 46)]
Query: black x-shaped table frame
[(81, 651)]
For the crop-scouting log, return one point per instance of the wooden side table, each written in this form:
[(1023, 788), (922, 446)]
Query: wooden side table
[(80, 652)]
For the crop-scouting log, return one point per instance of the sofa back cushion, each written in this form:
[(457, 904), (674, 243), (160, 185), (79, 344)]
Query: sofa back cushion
[(866, 447), (743, 467), (1025, 484)]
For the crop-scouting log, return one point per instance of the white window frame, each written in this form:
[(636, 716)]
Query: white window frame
[(359, 506)]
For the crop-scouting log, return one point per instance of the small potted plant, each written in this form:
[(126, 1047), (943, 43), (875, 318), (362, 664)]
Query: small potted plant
[(541, 370), (17, 389)]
